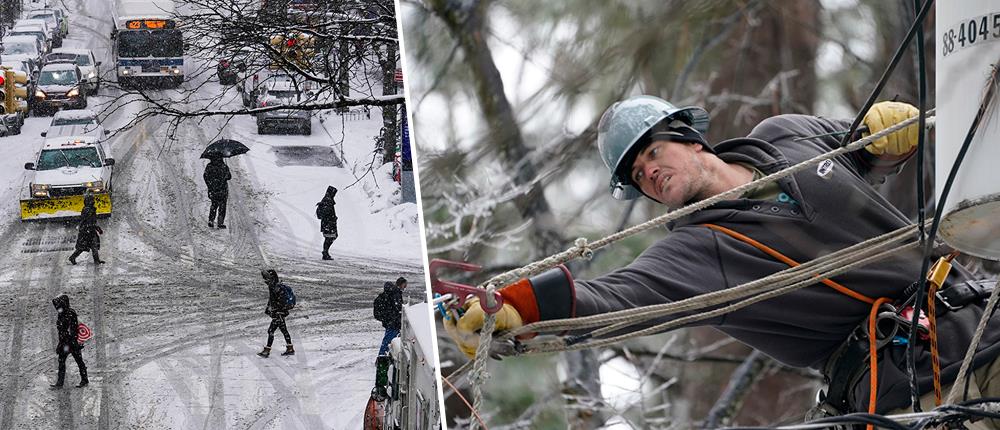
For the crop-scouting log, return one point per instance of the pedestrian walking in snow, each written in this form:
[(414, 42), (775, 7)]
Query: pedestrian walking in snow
[(67, 327), (88, 237), (280, 301), (388, 309), (217, 177), (327, 214)]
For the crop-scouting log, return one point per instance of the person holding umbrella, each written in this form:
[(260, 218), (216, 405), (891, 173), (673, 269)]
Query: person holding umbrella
[(326, 211), (217, 176)]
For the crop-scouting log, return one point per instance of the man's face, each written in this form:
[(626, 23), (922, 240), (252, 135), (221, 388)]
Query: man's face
[(670, 172)]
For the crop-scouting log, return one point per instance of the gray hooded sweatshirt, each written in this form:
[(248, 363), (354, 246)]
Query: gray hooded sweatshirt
[(825, 214)]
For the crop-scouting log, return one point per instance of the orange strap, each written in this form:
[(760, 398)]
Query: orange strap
[(935, 359), (782, 258), (872, 345)]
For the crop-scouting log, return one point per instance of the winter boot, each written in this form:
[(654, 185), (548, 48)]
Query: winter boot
[(97, 257), (266, 352), (57, 385), (211, 224), (72, 260), (83, 383), (289, 350), (222, 225), (326, 256)]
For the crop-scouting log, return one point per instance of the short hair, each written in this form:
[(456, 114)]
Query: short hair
[(400, 281)]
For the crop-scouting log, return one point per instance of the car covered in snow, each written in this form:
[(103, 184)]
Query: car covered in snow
[(283, 93), (75, 122), (52, 21), (61, 26), (33, 30), (279, 93), (83, 58), (65, 169), (22, 47), (59, 86)]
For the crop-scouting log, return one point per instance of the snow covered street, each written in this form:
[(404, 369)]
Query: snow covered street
[(178, 310)]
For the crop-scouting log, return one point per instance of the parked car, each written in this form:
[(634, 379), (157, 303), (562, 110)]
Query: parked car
[(32, 30), (229, 67), (52, 21), (278, 93), (84, 58), (52, 31), (22, 47), (59, 86), (63, 21)]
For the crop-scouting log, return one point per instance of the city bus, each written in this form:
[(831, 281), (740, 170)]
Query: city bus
[(147, 45)]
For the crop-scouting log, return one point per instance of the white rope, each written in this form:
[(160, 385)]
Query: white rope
[(807, 270), (478, 376), (549, 347), (959, 385)]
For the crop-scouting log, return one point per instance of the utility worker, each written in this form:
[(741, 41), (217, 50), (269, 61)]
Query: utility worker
[(659, 151)]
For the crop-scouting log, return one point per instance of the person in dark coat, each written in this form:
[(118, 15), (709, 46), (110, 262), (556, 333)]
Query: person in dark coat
[(663, 155), (327, 214), (67, 326), (88, 236), (217, 177), (393, 311), (278, 311)]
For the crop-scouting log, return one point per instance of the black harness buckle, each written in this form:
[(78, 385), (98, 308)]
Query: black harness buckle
[(959, 295)]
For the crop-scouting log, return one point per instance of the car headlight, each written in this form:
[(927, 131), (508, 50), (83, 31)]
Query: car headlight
[(73, 93), (40, 94), (91, 75), (125, 71), (40, 190), (95, 184), (177, 71)]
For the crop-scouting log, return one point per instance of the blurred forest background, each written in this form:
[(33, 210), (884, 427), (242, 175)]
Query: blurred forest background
[(506, 96)]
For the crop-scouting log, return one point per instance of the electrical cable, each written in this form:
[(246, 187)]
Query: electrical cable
[(910, 352), (888, 71)]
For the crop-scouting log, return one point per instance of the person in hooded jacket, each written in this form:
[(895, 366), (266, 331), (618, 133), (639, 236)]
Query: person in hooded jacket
[(277, 310), (392, 302), (656, 150), (217, 176), (88, 236), (326, 211), (67, 326)]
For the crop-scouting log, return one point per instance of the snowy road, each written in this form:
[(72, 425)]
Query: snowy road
[(178, 309)]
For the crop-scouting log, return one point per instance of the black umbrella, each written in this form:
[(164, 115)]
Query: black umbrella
[(224, 148)]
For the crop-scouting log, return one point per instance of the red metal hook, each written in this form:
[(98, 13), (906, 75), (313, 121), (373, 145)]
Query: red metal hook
[(461, 291)]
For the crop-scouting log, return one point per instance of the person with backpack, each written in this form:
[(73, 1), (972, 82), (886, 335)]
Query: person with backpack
[(327, 214), (67, 326), (280, 300), (88, 237), (388, 309)]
